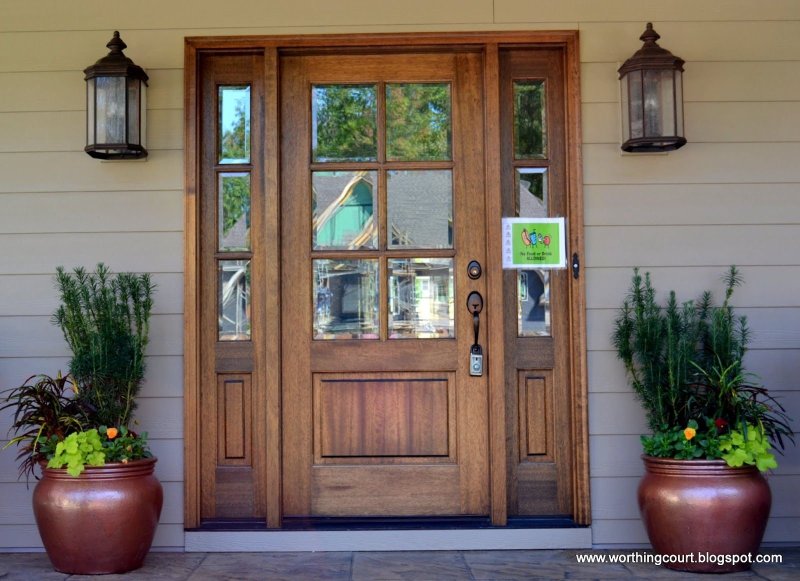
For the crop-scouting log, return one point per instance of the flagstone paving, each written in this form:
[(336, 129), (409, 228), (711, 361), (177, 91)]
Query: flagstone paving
[(373, 566)]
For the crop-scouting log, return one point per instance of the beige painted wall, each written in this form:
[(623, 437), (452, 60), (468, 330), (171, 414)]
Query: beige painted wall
[(731, 196)]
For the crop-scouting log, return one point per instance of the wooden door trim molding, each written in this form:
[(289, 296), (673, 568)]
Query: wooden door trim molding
[(489, 43), (580, 402), (191, 295)]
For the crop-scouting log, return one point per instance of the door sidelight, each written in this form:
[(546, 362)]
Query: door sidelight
[(475, 306)]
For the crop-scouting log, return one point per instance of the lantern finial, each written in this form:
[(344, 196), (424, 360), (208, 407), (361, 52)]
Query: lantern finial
[(116, 45), (650, 36)]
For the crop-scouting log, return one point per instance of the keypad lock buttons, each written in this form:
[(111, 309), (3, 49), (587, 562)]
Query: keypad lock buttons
[(476, 361)]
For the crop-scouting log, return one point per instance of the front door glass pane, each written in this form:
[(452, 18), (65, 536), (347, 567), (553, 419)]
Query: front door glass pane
[(418, 125), (234, 212), (421, 298), (530, 129), (344, 123), (234, 124), (534, 303), (531, 192), (345, 295), (234, 300), (344, 206), (420, 208)]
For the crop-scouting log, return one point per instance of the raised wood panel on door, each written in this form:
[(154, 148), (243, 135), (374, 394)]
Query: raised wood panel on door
[(379, 416), (339, 460)]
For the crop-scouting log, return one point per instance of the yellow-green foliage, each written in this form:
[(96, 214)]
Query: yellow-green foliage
[(77, 450)]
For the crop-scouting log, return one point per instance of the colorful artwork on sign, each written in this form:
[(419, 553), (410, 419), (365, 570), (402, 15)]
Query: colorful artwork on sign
[(534, 243)]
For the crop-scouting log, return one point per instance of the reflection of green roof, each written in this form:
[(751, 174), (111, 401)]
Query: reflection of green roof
[(420, 207), (347, 220)]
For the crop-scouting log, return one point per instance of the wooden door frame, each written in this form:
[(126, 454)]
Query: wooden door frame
[(490, 43)]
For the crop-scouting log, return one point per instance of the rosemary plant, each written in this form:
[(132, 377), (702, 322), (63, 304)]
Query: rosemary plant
[(685, 363), (105, 321)]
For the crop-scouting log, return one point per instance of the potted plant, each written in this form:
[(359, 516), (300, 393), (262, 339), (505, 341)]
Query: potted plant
[(98, 502), (703, 498)]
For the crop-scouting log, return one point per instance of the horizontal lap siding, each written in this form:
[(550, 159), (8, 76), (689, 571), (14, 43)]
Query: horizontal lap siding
[(59, 207), (729, 196)]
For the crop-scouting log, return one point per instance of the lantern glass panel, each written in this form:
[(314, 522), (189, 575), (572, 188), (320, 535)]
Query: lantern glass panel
[(110, 109), (90, 106), (667, 103), (653, 104), (134, 86), (626, 114), (679, 103), (636, 106)]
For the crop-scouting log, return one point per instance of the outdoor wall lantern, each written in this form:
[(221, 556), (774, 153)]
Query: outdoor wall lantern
[(652, 98), (115, 105)]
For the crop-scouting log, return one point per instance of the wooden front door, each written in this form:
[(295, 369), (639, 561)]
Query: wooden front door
[(338, 190), (382, 208)]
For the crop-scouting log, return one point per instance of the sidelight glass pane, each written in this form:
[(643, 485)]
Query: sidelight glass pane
[(234, 300), (420, 208), (234, 124), (344, 206), (530, 127), (533, 294), (345, 299), (531, 192), (110, 109), (233, 213), (418, 124), (421, 298), (344, 123)]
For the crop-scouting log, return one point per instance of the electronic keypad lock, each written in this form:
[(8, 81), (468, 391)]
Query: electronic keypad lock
[(475, 306), (476, 361)]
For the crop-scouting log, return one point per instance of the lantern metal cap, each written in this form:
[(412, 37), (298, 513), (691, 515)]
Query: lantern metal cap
[(651, 55), (115, 63)]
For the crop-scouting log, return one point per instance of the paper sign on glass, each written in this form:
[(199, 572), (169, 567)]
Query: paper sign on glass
[(530, 243)]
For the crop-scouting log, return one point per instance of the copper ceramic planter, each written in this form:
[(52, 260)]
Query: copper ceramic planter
[(703, 514), (102, 521)]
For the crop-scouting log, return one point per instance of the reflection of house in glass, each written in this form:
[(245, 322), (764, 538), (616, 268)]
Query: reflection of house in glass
[(345, 299), (420, 208), (344, 203), (421, 298), (234, 289), (534, 303), (419, 216)]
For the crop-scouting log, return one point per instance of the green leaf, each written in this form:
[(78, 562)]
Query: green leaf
[(766, 462)]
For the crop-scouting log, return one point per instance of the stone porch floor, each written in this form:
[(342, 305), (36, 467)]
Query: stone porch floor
[(422, 566)]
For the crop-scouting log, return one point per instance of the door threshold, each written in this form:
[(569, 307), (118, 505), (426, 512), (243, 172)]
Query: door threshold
[(387, 523), (371, 535)]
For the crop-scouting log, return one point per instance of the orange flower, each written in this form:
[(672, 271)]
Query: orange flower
[(111, 433), (689, 433)]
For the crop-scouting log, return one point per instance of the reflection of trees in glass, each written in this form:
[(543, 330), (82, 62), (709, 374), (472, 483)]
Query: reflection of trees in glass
[(235, 139), (345, 121), (236, 204), (418, 121), (529, 122)]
